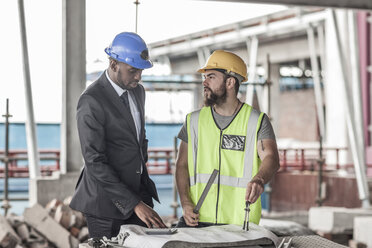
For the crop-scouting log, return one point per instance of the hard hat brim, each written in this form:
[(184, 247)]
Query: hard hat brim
[(145, 64), (203, 69)]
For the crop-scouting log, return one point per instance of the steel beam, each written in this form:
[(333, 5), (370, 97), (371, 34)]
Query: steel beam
[(33, 154), (349, 4), (189, 44), (73, 81)]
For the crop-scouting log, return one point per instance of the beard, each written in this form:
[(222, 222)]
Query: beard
[(124, 84), (217, 97)]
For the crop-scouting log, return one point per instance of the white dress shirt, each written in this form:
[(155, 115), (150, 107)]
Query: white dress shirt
[(133, 108)]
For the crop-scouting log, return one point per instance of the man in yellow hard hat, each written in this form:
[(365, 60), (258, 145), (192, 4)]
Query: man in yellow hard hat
[(229, 136)]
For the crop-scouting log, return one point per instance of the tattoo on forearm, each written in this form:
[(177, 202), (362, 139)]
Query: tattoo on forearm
[(262, 146)]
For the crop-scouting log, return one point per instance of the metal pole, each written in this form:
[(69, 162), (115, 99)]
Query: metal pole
[(359, 161), (6, 204), (33, 155), (316, 78), (320, 173), (175, 204), (267, 84), (136, 3)]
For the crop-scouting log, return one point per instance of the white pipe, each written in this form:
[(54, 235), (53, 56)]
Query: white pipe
[(359, 161), (321, 43), (252, 46), (33, 155), (355, 80), (202, 58)]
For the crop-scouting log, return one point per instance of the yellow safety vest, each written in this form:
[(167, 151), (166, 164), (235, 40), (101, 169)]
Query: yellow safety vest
[(233, 152)]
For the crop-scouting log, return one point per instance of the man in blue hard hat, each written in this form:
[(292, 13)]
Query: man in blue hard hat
[(114, 187)]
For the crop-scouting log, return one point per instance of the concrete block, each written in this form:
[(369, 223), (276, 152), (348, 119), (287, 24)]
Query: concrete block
[(15, 220), (35, 235), (335, 219), (58, 186), (38, 244), (363, 230), (38, 218), (22, 231), (8, 237)]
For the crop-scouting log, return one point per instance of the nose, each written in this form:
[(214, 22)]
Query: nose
[(138, 75), (205, 83)]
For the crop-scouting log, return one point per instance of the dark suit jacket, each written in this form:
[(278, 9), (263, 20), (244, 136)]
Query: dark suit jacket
[(110, 182)]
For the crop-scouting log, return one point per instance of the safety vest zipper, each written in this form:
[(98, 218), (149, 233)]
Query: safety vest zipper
[(219, 173)]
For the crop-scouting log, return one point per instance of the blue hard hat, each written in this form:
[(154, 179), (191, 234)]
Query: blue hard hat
[(130, 48)]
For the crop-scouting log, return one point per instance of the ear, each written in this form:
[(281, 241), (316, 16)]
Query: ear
[(113, 65), (230, 83)]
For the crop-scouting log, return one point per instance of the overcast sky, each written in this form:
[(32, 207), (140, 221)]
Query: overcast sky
[(157, 20)]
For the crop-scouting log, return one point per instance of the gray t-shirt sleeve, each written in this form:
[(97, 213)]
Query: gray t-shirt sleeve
[(266, 130), (182, 135)]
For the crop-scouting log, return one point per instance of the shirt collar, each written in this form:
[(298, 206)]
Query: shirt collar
[(118, 90)]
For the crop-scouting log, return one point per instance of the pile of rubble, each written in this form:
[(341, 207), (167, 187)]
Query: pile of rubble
[(55, 225)]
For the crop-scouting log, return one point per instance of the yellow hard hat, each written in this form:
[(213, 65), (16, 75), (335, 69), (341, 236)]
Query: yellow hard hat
[(228, 61)]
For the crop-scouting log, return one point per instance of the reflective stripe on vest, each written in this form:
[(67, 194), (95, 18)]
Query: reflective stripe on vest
[(233, 152)]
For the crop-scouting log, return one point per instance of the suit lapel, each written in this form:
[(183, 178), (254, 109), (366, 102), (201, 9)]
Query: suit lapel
[(119, 105)]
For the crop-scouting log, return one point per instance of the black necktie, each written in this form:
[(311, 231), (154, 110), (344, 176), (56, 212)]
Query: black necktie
[(124, 98)]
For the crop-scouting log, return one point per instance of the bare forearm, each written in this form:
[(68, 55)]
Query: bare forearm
[(182, 175), (268, 152), (183, 185), (268, 168)]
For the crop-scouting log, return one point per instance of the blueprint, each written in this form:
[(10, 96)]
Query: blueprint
[(213, 236)]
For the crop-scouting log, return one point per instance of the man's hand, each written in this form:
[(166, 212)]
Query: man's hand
[(148, 215), (254, 189), (191, 218)]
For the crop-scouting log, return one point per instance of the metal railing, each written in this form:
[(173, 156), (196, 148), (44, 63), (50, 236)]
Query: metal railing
[(307, 158), (161, 161), (18, 163)]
